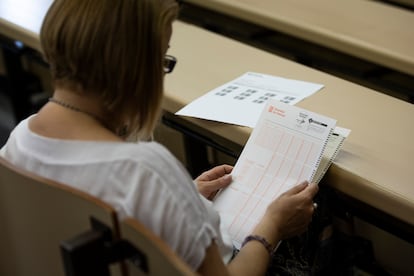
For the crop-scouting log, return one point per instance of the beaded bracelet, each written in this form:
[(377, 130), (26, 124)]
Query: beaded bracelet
[(260, 239)]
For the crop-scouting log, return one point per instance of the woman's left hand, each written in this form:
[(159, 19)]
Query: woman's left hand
[(209, 182)]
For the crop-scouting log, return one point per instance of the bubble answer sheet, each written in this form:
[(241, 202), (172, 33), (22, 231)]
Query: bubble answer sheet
[(285, 147)]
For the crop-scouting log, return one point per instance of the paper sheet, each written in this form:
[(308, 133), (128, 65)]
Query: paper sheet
[(284, 148), (241, 101), (332, 148)]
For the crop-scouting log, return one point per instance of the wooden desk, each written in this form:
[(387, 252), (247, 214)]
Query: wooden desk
[(370, 30), (375, 165)]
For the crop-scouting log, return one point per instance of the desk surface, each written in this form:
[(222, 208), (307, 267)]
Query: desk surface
[(375, 165), (370, 30)]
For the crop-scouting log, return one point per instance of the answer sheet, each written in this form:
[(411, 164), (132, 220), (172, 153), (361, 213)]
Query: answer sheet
[(284, 148)]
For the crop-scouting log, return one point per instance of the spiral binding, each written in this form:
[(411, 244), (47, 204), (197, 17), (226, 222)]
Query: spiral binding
[(330, 159)]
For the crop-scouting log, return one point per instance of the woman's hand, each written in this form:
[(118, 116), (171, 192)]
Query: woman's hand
[(209, 182), (290, 214)]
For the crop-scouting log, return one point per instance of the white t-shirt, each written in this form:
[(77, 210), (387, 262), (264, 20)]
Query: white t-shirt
[(143, 180)]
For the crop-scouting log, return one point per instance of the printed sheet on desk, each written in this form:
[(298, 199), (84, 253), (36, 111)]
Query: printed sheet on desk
[(285, 147), (241, 100)]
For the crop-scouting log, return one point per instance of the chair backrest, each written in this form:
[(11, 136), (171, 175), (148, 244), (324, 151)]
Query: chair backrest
[(158, 259), (36, 214), (45, 227)]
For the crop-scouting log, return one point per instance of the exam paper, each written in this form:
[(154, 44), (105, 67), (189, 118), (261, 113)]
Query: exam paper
[(284, 148), (241, 100)]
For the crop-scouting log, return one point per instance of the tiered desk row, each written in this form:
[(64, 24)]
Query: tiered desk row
[(369, 42)]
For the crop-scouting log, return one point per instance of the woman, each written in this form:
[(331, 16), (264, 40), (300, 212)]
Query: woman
[(107, 60)]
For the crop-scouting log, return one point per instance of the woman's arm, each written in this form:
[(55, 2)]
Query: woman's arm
[(287, 216)]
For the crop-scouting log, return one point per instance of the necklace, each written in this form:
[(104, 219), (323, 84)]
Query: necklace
[(121, 132), (74, 108)]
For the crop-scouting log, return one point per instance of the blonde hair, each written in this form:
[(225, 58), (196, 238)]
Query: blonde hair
[(115, 50)]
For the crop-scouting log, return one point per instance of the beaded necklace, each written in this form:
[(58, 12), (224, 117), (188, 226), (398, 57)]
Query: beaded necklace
[(74, 108), (121, 132)]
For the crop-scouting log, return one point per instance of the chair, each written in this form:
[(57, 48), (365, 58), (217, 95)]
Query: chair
[(36, 214), (159, 258), (48, 228)]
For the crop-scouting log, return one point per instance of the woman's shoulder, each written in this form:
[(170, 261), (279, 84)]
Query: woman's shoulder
[(26, 144), (149, 157), (146, 152)]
